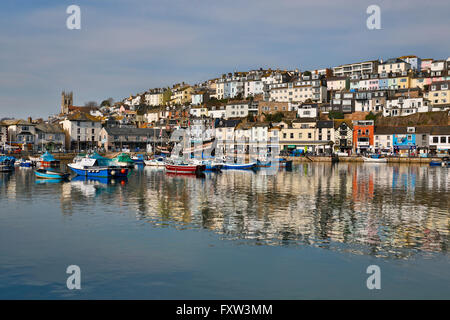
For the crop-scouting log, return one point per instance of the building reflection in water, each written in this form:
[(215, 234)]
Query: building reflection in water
[(378, 209)]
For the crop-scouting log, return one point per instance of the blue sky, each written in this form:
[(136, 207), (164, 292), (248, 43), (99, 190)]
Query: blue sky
[(125, 47)]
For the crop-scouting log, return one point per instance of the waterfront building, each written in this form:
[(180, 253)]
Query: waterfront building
[(300, 134), (81, 130), (439, 140), (343, 135), (21, 134), (325, 136), (49, 137), (404, 140), (363, 135), (117, 139)]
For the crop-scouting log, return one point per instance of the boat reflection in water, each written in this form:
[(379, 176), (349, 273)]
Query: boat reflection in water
[(94, 186), (389, 210), (392, 210)]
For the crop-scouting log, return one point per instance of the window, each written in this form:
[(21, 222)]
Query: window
[(443, 140), (309, 135), (292, 136), (435, 139)]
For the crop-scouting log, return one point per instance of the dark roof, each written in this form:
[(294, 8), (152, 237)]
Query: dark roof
[(390, 130), (301, 120), (135, 132), (435, 130), (324, 124), (49, 128)]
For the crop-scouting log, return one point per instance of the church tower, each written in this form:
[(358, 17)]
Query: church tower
[(66, 101)]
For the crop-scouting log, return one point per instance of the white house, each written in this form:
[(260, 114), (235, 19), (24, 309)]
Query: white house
[(82, 131), (405, 106), (237, 109)]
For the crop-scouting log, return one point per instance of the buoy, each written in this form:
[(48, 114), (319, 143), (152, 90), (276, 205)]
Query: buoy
[(113, 172), (123, 171)]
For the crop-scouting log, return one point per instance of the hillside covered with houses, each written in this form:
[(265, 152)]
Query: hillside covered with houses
[(399, 105)]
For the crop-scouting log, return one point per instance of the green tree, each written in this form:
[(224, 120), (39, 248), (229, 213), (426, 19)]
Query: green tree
[(335, 115)]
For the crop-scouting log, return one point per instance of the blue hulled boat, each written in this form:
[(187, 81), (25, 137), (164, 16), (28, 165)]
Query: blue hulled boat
[(138, 159), (7, 163), (50, 174), (239, 166), (89, 167)]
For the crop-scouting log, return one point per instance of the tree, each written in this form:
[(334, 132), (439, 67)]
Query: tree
[(371, 116), (335, 115)]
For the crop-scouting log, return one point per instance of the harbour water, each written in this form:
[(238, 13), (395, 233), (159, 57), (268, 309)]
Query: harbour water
[(306, 233)]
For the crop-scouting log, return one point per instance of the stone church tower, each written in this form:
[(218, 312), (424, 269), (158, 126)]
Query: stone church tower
[(66, 101)]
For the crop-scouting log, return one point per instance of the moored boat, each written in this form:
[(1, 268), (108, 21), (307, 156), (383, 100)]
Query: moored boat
[(48, 160), (184, 168), (138, 159), (89, 167), (123, 160), (50, 174), (156, 162), (375, 158), (7, 163), (239, 166)]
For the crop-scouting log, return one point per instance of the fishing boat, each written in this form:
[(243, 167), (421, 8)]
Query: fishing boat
[(239, 166), (185, 168), (7, 163), (156, 162), (375, 158), (48, 160), (123, 160), (89, 167), (50, 174)]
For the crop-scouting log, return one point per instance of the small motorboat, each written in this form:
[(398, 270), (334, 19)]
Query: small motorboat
[(50, 174), (157, 162), (375, 158), (239, 166)]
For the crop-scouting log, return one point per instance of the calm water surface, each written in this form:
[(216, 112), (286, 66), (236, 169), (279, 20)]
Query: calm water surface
[(309, 233)]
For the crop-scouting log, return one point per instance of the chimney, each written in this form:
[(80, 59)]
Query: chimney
[(30, 120)]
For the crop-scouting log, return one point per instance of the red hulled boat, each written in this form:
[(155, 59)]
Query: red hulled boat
[(185, 169)]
